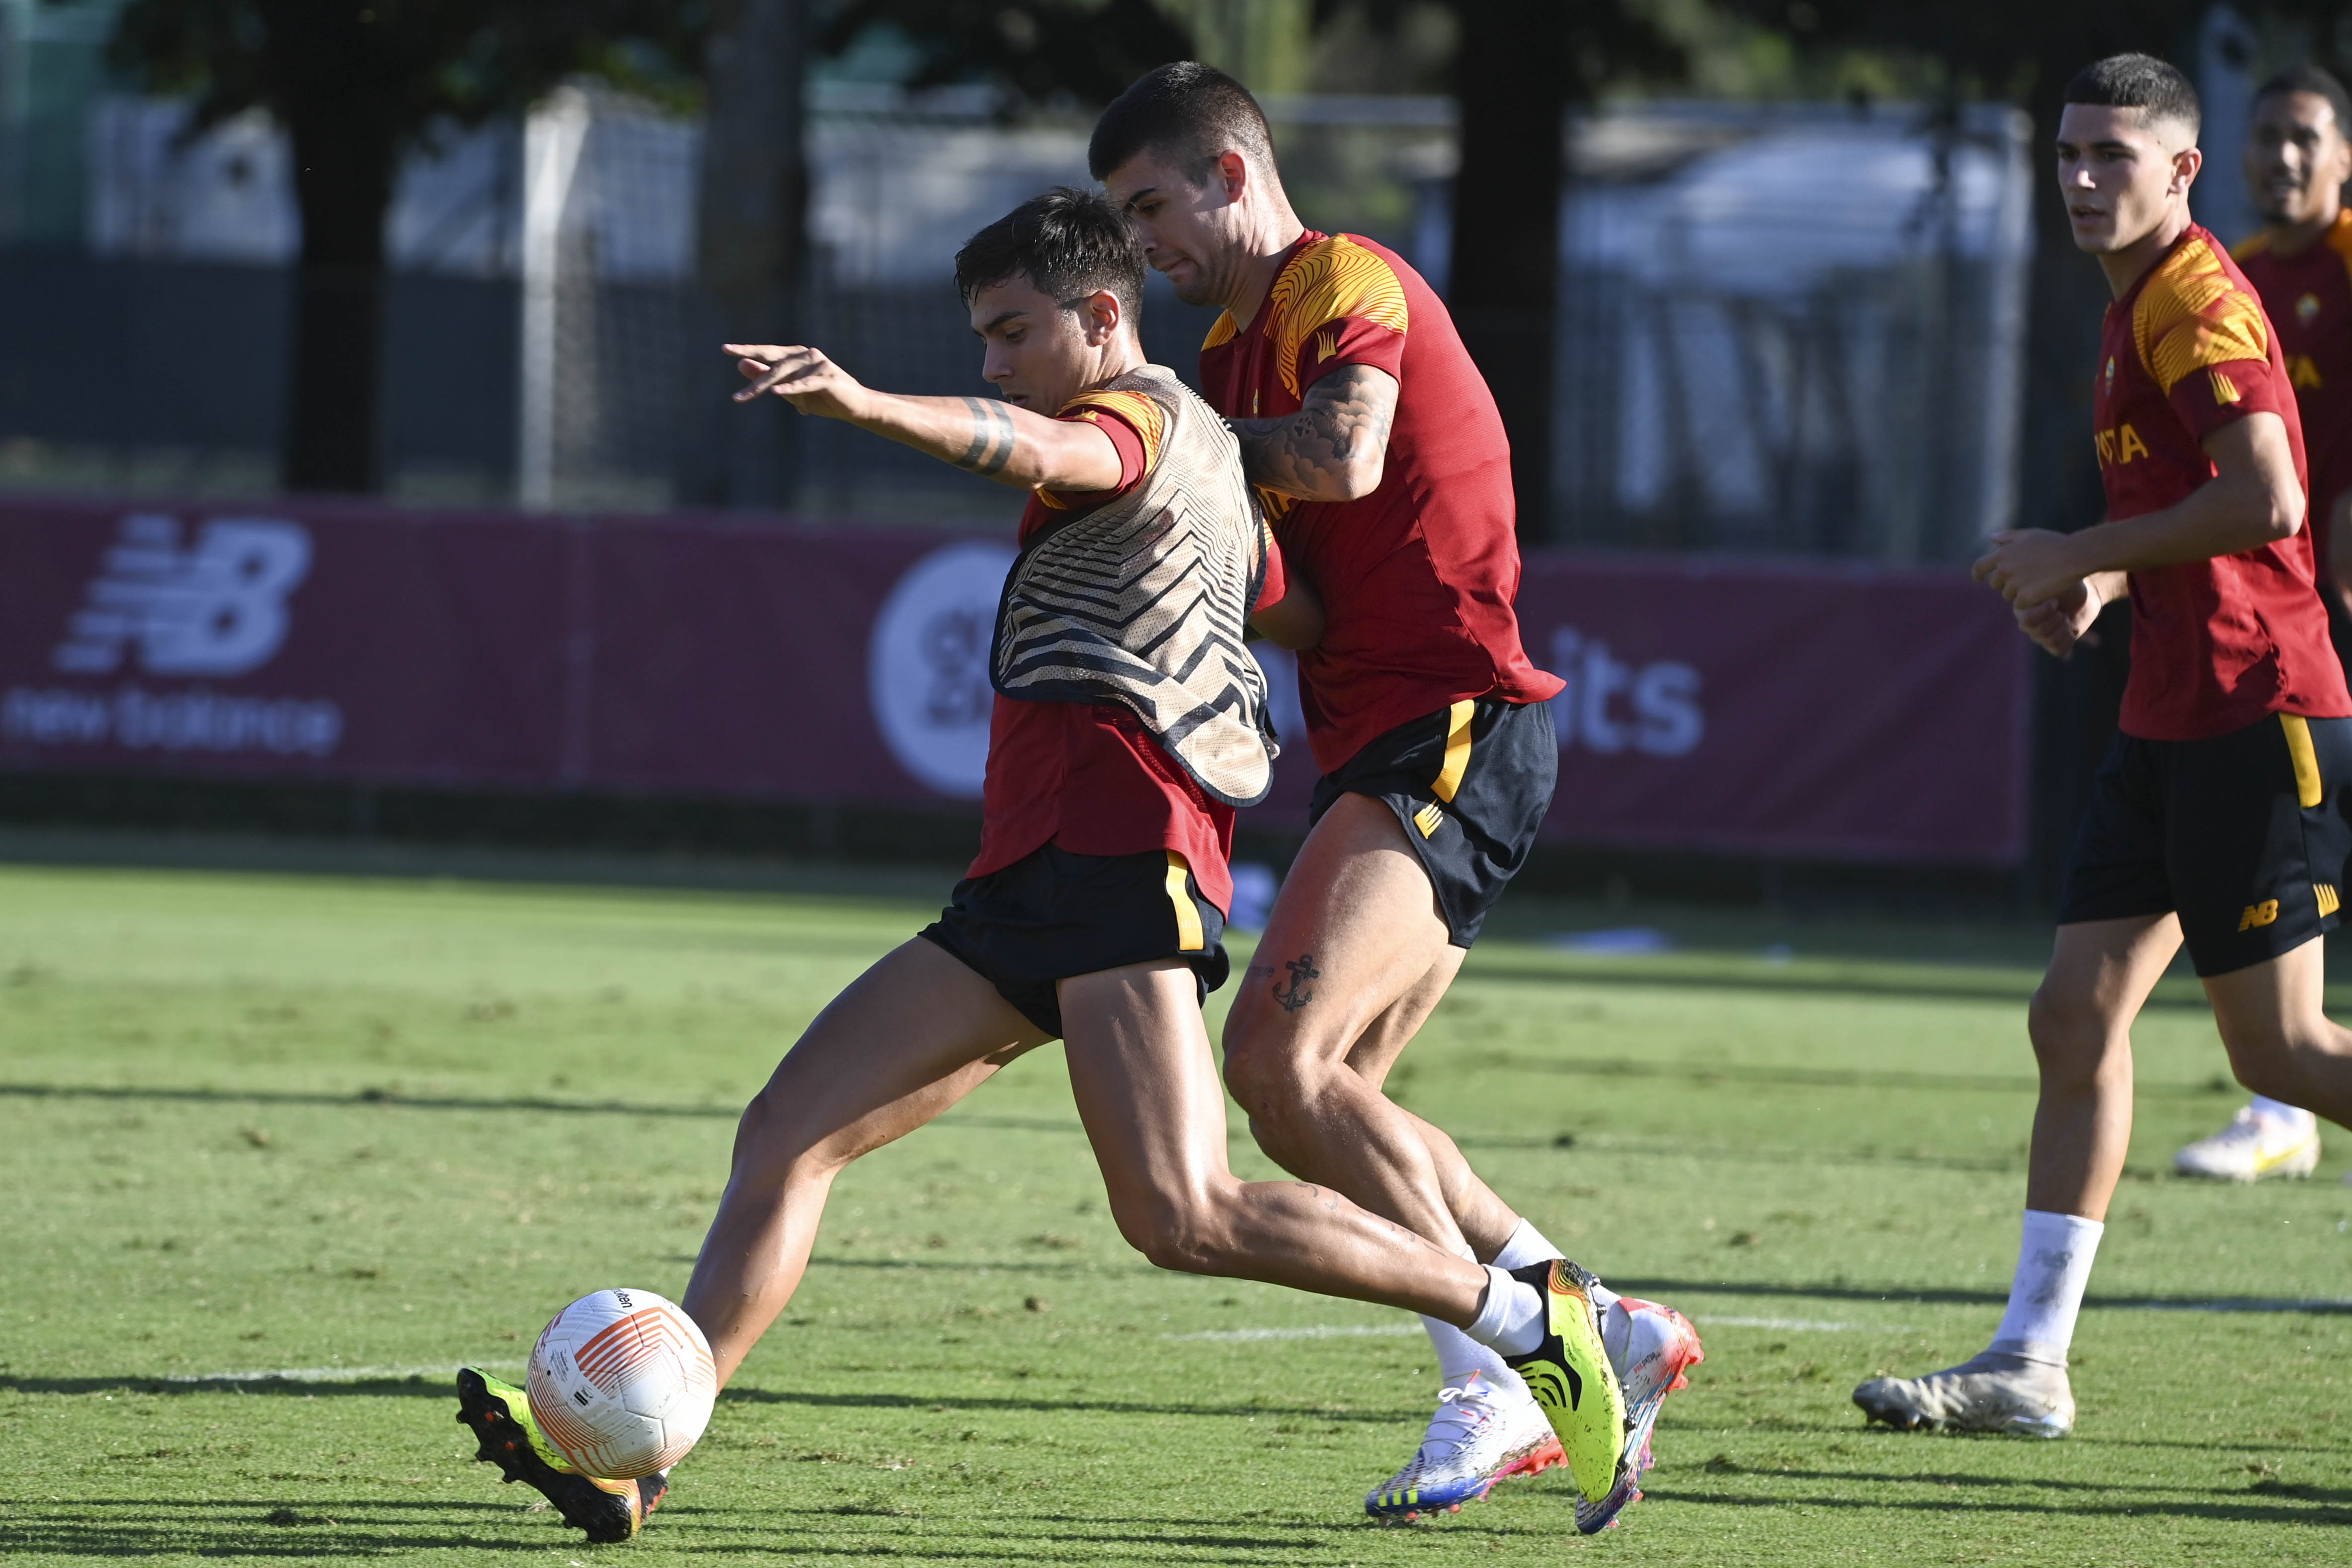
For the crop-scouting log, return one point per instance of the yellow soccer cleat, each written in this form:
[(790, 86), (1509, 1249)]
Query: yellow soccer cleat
[(499, 1415), (1571, 1379)]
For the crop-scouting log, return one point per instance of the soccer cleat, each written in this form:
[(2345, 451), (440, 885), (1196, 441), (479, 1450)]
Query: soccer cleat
[(1652, 1347), (2252, 1147), (1997, 1392), (499, 1415), (1571, 1379), (1481, 1434)]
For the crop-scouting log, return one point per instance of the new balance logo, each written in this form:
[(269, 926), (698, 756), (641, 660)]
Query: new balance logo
[(1327, 344), (2224, 389), (2328, 903), (215, 607), (1428, 818), (2260, 914)]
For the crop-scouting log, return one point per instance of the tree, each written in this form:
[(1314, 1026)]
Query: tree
[(1040, 51), (357, 84)]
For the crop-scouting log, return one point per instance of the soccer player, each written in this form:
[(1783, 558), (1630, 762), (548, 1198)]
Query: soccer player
[(2300, 264), (2218, 817), (1380, 458), (1130, 720)]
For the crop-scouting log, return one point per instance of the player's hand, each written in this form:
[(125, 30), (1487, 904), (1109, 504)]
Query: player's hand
[(803, 377), (2032, 565), (2057, 625)]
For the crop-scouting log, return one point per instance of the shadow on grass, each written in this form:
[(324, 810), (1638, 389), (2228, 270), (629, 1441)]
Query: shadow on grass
[(313, 1530), (2089, 1499), (420, 1388), (394, 1097)]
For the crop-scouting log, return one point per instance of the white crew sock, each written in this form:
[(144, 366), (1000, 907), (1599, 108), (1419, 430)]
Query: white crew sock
[(2283, 1114), (1513, 1316), (2053, 1268), (1460, 1358), (1528, 1244)]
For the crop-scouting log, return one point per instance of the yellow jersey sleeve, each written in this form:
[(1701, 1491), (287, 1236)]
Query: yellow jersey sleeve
[(1334, 279), (2192, 316)]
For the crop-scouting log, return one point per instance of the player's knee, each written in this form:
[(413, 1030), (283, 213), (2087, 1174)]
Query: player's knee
[(1184, 1235), (1274, 1086), (770, 1142), (2071, 1037)]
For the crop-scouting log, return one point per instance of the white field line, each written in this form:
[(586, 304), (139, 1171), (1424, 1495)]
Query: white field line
[(332, 1374), (1320, 1331), (1802, 1325)]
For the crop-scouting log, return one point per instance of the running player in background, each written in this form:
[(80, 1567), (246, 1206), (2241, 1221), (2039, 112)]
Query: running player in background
[(1095, 911), (2297, 159), (2218, 816), (1380, 456)]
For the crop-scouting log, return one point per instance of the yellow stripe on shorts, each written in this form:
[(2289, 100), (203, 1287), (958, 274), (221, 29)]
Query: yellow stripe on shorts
[(1189, 936), (1457, 750), (2307, 787)]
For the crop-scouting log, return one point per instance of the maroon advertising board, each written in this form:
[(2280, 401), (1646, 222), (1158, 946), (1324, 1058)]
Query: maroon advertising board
[(1796, 708)]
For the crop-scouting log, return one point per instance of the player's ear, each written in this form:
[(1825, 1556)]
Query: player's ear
[(2185, 165), (1104, 316), (1232, 173)]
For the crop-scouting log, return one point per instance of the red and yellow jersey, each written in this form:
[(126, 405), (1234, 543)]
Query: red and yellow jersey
[(2218, 644), (1417, 578), (1087, 775), (2308, 298)]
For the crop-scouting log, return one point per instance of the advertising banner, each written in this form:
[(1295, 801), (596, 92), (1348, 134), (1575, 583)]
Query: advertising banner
[(1801, 709)]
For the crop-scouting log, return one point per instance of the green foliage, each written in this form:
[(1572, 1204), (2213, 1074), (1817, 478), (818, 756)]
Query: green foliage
[(253, 1123), (1043, 50), (401, 65)]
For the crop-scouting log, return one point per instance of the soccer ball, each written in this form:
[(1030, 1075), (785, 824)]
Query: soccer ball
[(622, 1381)]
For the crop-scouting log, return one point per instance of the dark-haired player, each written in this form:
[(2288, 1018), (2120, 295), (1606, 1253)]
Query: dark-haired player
[(1129, 722), (1382, 462), (2300, 263), (2218, 816)]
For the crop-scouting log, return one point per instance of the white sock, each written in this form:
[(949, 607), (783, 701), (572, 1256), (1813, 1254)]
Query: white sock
[(1460, 1358), (1528, 1244), (1513, 1316), (2283, 1114), (2053, 1268)]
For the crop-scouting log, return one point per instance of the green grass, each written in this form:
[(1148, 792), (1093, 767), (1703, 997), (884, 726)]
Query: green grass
[(378, 1127)]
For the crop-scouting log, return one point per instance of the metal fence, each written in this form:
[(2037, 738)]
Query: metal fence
[(1781, 329)]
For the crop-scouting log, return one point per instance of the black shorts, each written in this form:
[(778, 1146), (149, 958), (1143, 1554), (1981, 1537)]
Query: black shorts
[(1054, 914), (1470, 783), (2244, 836)]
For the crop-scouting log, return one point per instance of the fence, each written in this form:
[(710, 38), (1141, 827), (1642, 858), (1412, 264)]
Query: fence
[(1787, 331)]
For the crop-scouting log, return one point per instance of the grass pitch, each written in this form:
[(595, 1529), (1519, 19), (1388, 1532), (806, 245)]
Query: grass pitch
[(281, 1151)]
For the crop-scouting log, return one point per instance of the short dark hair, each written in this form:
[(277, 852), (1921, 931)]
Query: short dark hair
[(2138, 81), (1188, 110), (2320, 83), (1066, 243)]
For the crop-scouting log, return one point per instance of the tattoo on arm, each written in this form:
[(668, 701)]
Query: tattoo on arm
[(992, 438), (1344, 419)]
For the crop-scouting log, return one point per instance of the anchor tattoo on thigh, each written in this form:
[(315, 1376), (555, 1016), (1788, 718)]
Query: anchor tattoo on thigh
[(1295, 995)]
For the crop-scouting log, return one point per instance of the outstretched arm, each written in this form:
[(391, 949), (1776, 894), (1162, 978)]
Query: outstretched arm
[(1335, 448), (988, 438)]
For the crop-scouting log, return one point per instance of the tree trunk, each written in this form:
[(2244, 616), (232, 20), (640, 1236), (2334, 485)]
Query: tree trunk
[(753, 216), (343, 167), (1513, 88)]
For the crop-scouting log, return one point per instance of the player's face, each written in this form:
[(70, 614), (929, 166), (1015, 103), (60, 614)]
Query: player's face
[(1037, 353), (2297, 158), (1190, 233), (2120, 173)]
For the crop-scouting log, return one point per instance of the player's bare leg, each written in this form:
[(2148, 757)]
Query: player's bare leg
[(1147, 1089), (2100, 974), (909, 1038), (1146, 1084), (1354, 933), (1354, 959), (2279, 1042)]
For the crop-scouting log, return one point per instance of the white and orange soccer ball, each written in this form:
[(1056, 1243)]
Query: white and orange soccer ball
[(622, 1381)]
